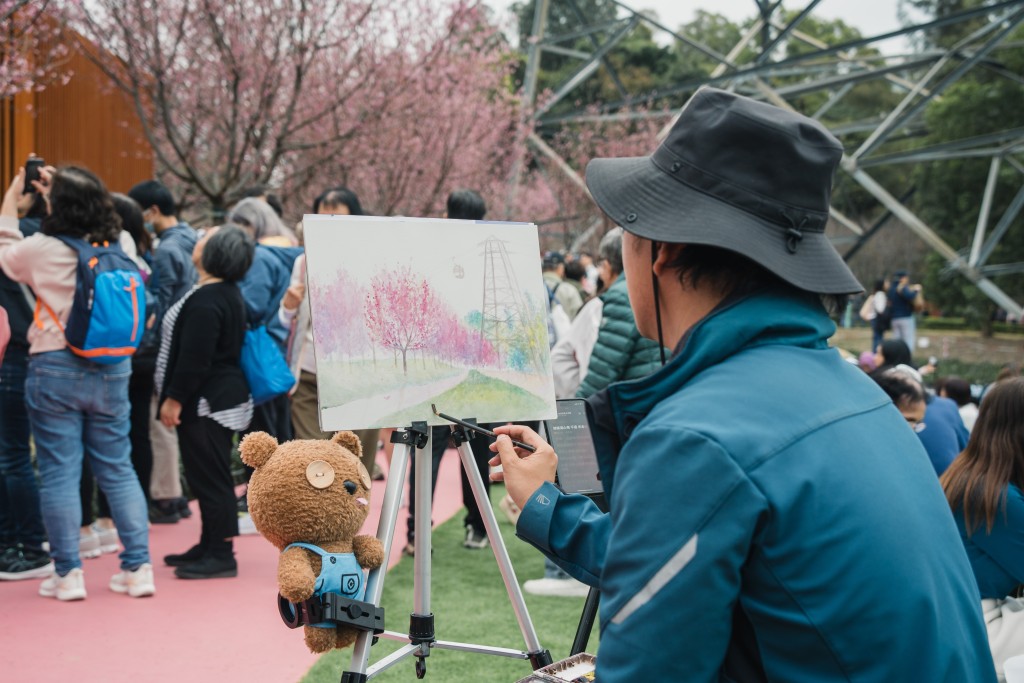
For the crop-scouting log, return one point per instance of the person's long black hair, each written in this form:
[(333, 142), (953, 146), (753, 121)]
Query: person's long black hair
[(895, 352)]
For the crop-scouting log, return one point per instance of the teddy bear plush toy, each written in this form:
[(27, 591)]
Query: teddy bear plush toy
[(310, 498)]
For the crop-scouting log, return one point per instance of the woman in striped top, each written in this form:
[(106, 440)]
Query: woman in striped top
[(204, 394)]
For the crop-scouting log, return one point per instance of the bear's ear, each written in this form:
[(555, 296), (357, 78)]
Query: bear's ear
[(256, 449), (350, 441)]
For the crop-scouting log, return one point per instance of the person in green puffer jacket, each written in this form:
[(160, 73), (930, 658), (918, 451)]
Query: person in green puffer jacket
[(620, 353)]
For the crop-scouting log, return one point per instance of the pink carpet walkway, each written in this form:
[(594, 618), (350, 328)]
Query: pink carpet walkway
[(218, 630)]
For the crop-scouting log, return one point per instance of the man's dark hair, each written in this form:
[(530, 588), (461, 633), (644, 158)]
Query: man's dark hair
[(228, 254), (154, 193), (131, 220), (339, 195), (733, 274), (903, 390), (466, 205), (959, 390), (80, 206), (574, 270)]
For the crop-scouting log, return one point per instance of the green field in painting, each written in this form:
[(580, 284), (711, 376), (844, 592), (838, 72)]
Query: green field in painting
[(468, 397)]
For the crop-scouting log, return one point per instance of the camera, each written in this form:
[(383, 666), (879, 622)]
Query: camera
[(32, 167)]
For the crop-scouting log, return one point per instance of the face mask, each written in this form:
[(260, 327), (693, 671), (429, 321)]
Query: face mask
[(150, 228)]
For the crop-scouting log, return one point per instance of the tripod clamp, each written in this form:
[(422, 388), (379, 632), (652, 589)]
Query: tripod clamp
[(414, 436), (334, 608)]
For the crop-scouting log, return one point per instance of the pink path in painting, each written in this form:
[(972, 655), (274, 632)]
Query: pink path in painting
[(219, 630)]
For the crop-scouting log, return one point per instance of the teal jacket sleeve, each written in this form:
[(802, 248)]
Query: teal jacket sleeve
[(668, 558), (1005, 545), (569, 529)]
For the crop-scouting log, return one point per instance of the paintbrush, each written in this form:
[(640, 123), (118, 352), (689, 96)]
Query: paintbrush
[(481, 430)]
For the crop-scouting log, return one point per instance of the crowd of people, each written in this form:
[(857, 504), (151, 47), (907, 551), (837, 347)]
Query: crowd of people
[(136, 428), (772, 512)]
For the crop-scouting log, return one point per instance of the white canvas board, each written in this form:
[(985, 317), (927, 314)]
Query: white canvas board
[(412, 311)]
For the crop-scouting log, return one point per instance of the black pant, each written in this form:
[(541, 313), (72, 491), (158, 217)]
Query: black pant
[(206, 457), (273, 417)]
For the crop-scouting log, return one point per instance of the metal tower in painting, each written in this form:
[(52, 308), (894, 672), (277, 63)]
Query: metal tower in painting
[(504, 309)]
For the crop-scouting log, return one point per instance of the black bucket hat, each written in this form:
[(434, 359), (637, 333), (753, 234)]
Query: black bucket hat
[(737, 174)]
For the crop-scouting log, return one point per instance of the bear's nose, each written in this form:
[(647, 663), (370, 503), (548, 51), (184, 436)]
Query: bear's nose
[(351, 487)]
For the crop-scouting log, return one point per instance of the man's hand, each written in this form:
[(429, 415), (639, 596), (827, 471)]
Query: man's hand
[(170, 413), (523, 472), (293, 296)]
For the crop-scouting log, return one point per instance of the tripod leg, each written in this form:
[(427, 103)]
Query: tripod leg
[(538, 656), (421, 621), (386, 535)]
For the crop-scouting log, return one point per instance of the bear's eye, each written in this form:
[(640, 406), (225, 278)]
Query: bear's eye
[(351, 487)]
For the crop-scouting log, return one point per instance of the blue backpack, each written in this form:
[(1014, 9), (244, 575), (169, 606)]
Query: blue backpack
[(108, 314)]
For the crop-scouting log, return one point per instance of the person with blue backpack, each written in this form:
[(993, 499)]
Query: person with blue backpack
[(89, 317)]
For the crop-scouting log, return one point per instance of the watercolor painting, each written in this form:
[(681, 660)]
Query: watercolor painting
[(407, 312)]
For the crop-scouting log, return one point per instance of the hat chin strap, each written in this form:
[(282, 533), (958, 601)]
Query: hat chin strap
[(657, 301)]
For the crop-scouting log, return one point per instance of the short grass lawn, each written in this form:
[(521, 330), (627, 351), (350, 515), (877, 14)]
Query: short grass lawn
[(470, 605)]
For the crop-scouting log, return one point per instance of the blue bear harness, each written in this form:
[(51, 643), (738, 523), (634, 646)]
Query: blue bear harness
[(339, 573)]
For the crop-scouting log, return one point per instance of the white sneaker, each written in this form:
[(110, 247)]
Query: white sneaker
[(138, 583), (89, 545), (566, 588), (106, 537), (70, 587), (246, 527)]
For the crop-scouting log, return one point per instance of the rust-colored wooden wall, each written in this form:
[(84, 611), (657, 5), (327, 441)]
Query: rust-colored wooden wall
[(85, 122)]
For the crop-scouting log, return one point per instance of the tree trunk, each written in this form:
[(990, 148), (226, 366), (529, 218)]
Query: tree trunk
[(405, 367)]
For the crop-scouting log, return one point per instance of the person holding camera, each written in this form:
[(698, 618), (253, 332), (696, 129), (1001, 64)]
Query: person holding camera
[(771, 516), (905, 298), (77, 408)]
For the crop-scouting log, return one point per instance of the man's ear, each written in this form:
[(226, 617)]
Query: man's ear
[(666, 253)]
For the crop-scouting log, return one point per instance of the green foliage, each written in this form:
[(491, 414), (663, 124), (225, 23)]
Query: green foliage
[(949, 192), (470, 605)]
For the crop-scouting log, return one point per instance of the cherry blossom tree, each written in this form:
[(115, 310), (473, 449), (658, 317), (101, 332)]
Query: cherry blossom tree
[(338, 322), (452, 120), (233, 93), (402, 312), (33, 51)]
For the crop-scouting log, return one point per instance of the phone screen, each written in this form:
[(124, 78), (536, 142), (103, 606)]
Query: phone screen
[(570, 436), (32, 167)]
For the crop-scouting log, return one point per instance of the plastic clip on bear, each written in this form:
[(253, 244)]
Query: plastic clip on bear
[(310, 498)]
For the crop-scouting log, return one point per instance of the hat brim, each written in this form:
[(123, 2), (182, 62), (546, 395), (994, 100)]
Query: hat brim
[(649, 203)]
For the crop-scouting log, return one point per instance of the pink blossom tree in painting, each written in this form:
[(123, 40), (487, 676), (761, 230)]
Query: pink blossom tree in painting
[(402, 312), (339, 323)]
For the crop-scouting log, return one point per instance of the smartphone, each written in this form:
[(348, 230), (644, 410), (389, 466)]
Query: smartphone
[(570, 436), (32, 167)]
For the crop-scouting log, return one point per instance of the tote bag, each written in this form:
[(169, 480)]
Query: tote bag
[(265, 368)]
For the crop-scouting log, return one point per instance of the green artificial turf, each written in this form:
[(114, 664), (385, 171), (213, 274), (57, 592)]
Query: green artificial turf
[(470, 605)]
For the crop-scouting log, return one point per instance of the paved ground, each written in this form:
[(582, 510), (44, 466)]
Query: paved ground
[(215, 631)]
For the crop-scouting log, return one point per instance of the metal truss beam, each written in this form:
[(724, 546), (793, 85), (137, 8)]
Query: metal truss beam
[(1011, 213), (586, 69), (836, 70), (906, 111)]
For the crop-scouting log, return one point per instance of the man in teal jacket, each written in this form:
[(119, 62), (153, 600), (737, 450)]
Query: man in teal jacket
[(772, 515)]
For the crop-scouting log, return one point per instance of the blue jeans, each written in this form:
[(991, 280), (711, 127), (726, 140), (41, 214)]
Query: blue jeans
[(20, 519), (79, 408)]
